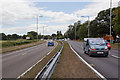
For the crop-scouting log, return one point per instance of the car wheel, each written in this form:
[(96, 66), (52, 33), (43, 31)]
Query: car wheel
[(106, 55)]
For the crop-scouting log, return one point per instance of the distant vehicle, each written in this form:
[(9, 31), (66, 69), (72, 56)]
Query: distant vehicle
[(108, 44), (95, 46), (51, 43)]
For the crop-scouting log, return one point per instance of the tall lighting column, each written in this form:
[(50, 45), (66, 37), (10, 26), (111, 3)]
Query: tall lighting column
[(38, 26), (110, 18)]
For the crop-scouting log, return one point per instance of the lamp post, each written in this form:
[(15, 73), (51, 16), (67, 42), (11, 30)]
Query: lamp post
[(38, 25), (88, 25), (75, 30), (110, 18)]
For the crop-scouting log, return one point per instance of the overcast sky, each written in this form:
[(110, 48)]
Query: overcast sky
[(19, 16)]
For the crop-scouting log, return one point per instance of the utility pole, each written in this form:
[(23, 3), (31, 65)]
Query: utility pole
[(88, 27), (88, 24), (38, 26), (75, 31), (110, 18)]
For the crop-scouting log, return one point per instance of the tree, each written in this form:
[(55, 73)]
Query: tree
[(24, 36), (83, 30), (116, 21), (2, 36), (71, 30), (59, 35), (14, 36), (32, 35), (100, 26), (9, 37), (53, 36)]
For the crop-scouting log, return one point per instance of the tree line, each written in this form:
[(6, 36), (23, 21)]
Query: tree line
[(32, 35), (98, 27)]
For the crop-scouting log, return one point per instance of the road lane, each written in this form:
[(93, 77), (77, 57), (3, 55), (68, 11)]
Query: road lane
[(108, 67), (17, 62)]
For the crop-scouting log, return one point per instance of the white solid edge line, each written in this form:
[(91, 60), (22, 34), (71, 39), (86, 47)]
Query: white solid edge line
[(30, 68), (35, 64), (47, 54), (52, 49), (115, 56), (100, 75)]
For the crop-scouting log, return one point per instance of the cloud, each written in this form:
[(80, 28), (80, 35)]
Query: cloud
[(54, 29), (14, 10), (58, 17), (23, 30), (94, 8)]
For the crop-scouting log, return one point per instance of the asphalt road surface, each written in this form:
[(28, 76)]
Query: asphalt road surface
[(17, 62), (109, 67)]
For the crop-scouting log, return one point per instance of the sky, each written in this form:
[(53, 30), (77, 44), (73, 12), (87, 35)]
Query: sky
[(20, 16)]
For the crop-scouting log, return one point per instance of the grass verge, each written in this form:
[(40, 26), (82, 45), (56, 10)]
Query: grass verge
[(70, 66), (116, 46), (38, 67), (10, 43), (18, 47)]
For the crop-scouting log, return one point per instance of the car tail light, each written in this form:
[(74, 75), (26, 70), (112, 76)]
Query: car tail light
[(106, 48), (92, 48)]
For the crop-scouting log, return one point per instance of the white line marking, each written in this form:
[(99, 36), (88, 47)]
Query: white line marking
[(35, 64), (115, 56), (23, 53), (30, 68), (100, 75), (13, 52), (52, 49)]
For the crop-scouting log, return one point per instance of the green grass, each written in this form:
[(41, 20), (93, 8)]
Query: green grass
[(19, 45), (11, 43), (116, 45)]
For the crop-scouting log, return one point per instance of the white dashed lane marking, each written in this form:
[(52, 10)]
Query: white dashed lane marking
[(23, 53)]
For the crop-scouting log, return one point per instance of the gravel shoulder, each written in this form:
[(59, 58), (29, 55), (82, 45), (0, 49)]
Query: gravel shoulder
[(70, 66)]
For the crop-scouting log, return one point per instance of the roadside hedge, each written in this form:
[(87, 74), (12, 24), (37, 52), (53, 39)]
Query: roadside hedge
[(16, 42)]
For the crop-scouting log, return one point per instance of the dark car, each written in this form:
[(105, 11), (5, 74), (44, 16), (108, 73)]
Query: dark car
[(51, 43), (95, 46)]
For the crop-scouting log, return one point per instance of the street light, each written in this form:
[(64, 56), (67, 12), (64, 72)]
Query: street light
[(110, 18), (75, 30), (88, 25), (37, 25)]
